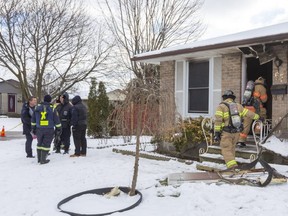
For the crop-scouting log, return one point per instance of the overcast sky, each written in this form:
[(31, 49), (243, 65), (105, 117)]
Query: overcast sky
[(224, 17)]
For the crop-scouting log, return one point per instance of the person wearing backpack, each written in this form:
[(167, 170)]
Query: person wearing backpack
[(44, 119), (255, 104), (228, 125)]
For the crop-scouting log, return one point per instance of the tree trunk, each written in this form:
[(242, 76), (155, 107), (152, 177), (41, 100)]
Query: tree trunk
[(138, 134)]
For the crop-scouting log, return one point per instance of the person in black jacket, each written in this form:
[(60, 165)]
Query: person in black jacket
[(43, 121), (64, 110), (79, 125), (26, 115)]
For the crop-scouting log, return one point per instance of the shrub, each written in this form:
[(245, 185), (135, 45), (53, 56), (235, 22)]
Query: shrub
[(187, 132)]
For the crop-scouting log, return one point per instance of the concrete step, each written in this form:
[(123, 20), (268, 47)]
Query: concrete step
[(218, 158), (245, 152)]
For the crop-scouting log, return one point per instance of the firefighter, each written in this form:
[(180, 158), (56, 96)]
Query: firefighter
[(43, 121), (228, 124), (259, 97)]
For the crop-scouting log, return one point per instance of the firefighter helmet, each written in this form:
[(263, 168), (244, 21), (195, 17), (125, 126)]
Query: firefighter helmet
[(228, 94), (260, 80)]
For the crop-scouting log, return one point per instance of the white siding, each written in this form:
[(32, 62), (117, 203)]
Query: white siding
[(216, 76), (180, 87)]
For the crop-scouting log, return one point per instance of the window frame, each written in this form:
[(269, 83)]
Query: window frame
[(197, 88)]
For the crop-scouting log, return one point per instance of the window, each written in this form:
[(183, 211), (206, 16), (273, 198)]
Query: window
[(198, 87)]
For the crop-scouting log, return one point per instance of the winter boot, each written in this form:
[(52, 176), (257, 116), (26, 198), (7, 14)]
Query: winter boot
[(44, 159), (39, 155)]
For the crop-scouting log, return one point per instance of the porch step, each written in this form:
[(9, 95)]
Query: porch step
[(240, 152), (213, 155), (218, 158)]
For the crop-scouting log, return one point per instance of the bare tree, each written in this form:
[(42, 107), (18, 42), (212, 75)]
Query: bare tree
[(146, 25), (49, 45)]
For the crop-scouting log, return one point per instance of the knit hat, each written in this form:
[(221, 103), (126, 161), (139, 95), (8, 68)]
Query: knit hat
[(47, 98)]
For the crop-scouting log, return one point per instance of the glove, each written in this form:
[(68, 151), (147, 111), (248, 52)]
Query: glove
[(58, 131), (217, 136)]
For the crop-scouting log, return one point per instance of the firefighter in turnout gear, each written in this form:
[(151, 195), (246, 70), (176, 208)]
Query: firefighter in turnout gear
[(44, 119), (258, 98), (228, 125)]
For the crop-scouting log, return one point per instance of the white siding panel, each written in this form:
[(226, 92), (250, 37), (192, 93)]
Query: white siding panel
[(217, 83), (179, 87)]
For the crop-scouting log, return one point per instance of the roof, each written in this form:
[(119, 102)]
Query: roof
[(219, 45), (10, 86), (115, 95)]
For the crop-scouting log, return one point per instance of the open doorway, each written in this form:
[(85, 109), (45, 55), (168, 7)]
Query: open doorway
[(255, 70)]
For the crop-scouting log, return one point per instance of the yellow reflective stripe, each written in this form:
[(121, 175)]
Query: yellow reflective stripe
[(43, 115), (44, 123), (33, 124), (231, 163), (58, 125), (217, 127), (256, 117), (219, 113), (244, 112), (226, 114), (43, 148)]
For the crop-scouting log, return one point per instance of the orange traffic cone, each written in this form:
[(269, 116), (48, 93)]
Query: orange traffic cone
[(3, 132)]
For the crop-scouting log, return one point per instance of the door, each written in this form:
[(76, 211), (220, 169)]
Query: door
[(11, 103), (255, 70)]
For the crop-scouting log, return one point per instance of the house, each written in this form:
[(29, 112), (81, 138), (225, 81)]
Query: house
[(10, 98), (115, 96), (194, 76)]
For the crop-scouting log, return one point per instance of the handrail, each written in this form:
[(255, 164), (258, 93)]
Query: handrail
[(265, 128), (208, 123)]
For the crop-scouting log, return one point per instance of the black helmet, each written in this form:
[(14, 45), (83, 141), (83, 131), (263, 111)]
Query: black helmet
[(228, 94)]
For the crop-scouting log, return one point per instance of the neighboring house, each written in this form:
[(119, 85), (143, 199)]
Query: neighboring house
[(115, 97), (195, 75), (10, 98)]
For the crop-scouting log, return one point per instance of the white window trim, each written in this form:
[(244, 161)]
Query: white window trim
[(211, 87)]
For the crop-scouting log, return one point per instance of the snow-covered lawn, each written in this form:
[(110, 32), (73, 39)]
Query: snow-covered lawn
[(30, 189)]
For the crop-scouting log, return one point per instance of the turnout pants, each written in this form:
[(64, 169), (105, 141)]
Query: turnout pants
[(246, 129), (44, 138), (228, 145)]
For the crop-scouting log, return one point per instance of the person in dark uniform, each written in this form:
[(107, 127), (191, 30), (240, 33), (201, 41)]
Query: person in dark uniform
[(44, 119), (79, 125), (64, 110), (26, 115)]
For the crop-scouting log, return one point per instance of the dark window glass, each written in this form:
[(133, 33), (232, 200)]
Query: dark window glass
[(198, 87)]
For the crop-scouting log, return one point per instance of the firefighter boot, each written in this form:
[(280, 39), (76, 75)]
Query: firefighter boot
[(39, 155), (44, 159)]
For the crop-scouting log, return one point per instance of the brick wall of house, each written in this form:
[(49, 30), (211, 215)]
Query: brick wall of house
[(167, 88), (280, 102), (231, 73)]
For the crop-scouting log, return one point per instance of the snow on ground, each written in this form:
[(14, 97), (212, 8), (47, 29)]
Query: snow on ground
[(276, 145), (27, 188)]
